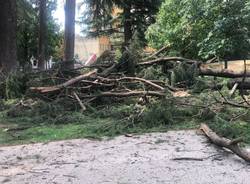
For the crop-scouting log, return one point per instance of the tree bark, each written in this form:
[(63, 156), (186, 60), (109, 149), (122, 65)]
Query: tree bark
[(226, 143), (65, 84), (128, 33), (69, 35), (128, 94), (42, 35), (222, 73), (8, 25), (164, 60)]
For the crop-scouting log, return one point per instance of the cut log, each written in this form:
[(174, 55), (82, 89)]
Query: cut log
[(204, 71), (226, 143)]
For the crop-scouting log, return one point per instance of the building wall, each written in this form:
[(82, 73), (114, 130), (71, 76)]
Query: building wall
[(86, 47), (104, 44)]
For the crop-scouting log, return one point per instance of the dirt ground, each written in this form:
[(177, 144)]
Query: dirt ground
[(183, 157)]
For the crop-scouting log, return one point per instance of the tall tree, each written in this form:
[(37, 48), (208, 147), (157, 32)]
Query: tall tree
[(42, 34), (28, 31), (135, 16), (69, 35), (204, 29), (8, 48)]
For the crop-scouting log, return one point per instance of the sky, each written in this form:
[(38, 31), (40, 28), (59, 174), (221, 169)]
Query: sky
[(59, 15)]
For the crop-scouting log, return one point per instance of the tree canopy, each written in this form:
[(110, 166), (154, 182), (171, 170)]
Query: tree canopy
[(135, 16), (203, 28), (28, 29)]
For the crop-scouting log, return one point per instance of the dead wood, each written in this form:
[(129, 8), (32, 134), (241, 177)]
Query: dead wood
[(233, 90), (226, 102), (163, 60), (79, 101), (157, 53), (226, 143), (133, 79), (16, 129), (127, 94), (204, 71), (213, 60), (188, 159), (63, 85), (96, 83)]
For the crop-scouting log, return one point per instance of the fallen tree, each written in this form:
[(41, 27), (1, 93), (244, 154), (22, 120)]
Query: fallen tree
[(112, 82), (226, 73), (164, 60), (203, 69), (232, 145)]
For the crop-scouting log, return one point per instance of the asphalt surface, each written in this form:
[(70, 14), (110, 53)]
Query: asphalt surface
[(182, 157)]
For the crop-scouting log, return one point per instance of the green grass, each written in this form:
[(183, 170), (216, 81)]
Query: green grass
[(102, 121)]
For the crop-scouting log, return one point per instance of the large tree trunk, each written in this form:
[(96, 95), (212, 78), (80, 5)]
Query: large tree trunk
[(226, 73), (8, 48), (128, 33), (42, 35), (69, 35)]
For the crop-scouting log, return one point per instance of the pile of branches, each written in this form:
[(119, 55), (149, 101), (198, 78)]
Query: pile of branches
[(92, 85), (110, 80)]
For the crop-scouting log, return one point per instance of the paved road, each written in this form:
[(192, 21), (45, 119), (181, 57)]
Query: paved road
[(182, 157)]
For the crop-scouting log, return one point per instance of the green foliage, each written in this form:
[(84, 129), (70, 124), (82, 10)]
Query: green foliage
[(141, 15), (61, 119), (152, 73), (27, 31), (15, 85), (199, 86), (203, 29), (184, 73), (159, 115)]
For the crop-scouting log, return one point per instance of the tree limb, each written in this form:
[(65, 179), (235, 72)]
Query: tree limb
[(134, 79), (166, 59), (64, 85), (128, 94), (204, 71), (226, 143), (157, 52)]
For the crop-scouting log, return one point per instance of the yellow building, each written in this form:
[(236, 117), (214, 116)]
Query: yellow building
[(85, 47)]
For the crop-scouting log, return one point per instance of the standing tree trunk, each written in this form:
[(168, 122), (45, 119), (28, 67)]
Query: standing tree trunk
[(69, 35), (42, 35), (8, 25), (128, 33)]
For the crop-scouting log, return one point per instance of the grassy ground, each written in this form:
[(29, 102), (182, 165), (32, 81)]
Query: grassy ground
[(46, 122), (51, 121)]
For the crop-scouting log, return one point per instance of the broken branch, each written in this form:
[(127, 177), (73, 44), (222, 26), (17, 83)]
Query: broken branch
[(226, 143), (64, 85)]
